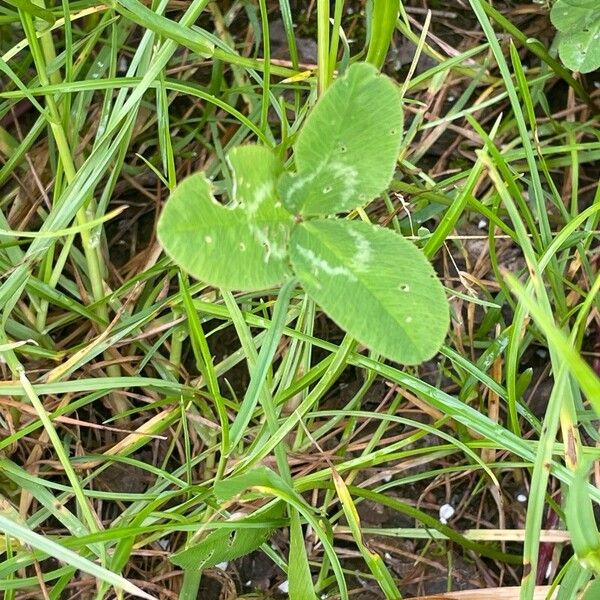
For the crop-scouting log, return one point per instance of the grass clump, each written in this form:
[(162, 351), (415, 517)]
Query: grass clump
[(168, 436)]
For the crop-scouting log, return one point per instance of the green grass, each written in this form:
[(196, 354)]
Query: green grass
[(139, 409)]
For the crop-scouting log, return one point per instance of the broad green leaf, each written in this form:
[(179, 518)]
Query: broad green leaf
[(239, 246), (578, 22), (229, 543), (573, 15), (346, 152), (580, 51), (375, 284)]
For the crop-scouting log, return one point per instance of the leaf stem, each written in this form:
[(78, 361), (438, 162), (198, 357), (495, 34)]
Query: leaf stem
[(383, 24), (323, 45), (259, 375)]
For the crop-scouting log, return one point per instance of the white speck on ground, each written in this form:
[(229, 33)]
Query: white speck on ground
[(446, 512)]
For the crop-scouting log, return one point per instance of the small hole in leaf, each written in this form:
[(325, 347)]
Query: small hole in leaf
[(393, 131), (267, 248), (408, 319), (343, 148), (231, 540), (327, 189), (404, 287), (242, 246), (208, 239)]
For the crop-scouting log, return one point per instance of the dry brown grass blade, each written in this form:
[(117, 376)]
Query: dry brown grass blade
[(505, 593)]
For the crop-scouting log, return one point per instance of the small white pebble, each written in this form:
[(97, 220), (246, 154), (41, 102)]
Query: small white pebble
[(446, 512), (164, 543), (222, 565), (451, 98), (521, 498), (482, 224), (549, 571), (284, 586), (387, 556), (387, 478), (248, 583)]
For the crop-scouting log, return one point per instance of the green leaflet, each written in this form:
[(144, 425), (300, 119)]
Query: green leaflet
[(346, 152), (578, 24), (375, 284), (240, 246), (580, 51), (228, 543), (573, 15)]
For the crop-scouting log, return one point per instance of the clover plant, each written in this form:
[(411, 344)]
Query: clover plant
[(578, 24), (374, 283)]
